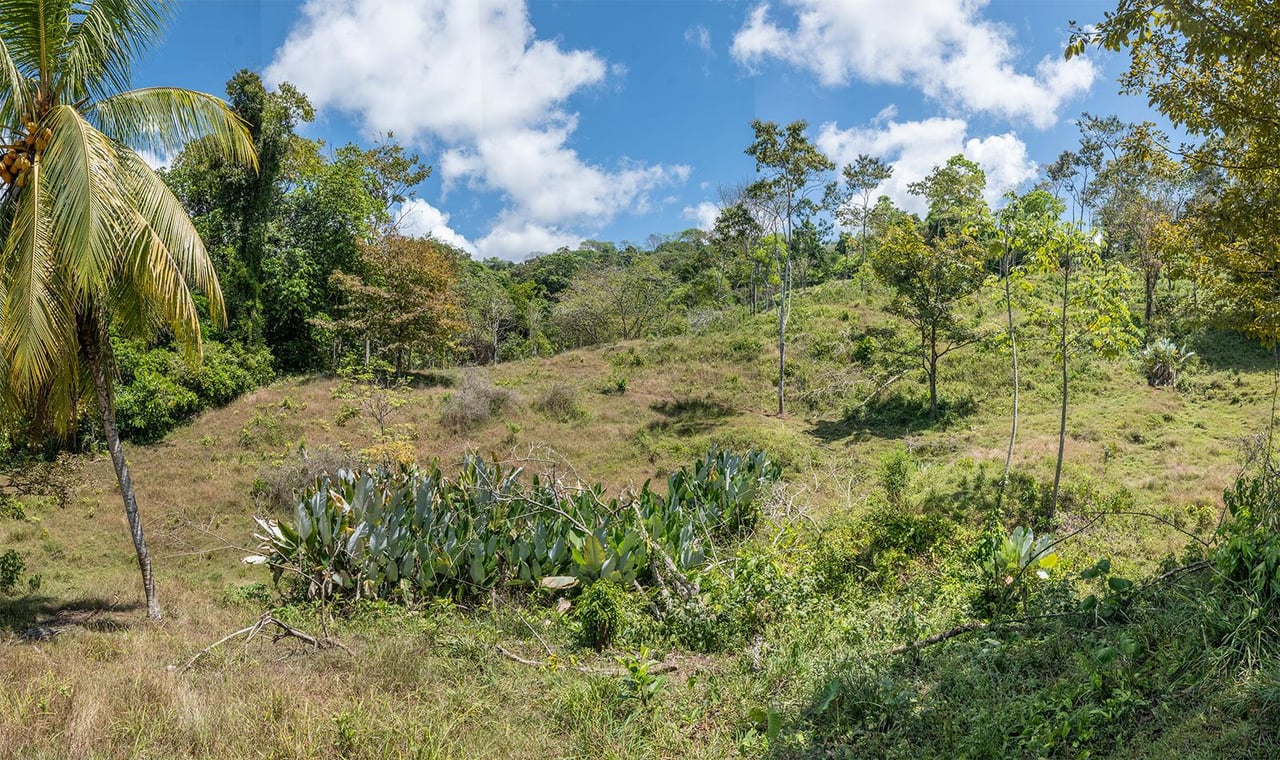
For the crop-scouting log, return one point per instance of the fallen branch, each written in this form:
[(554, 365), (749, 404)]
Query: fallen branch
[(662, 667), (283, 631), (939, 637), (1191, 568)]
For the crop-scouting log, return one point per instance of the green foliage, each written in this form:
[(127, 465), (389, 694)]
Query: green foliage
[(412, 533), (1249, 553), (11, 569), (600, 612), (161, 388), (1164, 361), (896, 469), (642, 684)]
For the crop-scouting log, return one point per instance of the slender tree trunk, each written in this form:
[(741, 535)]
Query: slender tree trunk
[(1152, 278), (367, 352), (933, 371), (97, 350), (782, 333), (1062, 422), (1013, 344)]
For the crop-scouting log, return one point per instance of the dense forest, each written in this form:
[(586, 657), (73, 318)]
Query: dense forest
[(829, 478)]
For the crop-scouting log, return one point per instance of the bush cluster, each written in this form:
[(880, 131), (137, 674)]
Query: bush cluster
[(160, 388)]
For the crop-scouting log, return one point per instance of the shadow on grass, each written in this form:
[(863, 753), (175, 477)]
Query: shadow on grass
[(420, 379), (893, 416), (689, 416), (37, 616), (1224, 349)]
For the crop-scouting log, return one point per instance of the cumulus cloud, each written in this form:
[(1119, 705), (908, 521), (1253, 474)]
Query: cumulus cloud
[(942, 47), (417, 218), (915, 147), (472, 76), (514, 238), (704, 215)]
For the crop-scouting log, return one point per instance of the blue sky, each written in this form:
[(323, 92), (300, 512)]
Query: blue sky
[(552, 121)]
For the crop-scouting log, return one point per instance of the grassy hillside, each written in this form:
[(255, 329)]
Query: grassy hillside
[(433, 681)]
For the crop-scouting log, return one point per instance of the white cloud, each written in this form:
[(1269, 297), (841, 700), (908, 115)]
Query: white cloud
[(155, 160), (941, 47), (914, 148), (704, 215), (471, 76), (699, 36), (420, 219), (514, 238)]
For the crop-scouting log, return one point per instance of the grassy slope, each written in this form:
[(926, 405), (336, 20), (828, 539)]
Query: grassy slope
[(432, 681)]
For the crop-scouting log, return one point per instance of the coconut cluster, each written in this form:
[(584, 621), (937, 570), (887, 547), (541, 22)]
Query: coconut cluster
[(18, 159)]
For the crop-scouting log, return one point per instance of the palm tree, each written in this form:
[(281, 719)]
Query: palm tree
[(90, 236)]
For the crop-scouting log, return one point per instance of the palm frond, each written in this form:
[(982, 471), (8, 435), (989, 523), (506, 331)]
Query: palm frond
[(36, 323), (164, 120), (105, 38), (152, 290), (36, 31), (80, 168), (167, 220), (16, 90)]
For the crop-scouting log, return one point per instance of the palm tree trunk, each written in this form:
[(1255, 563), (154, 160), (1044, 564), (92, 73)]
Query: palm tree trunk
[(97, 351)]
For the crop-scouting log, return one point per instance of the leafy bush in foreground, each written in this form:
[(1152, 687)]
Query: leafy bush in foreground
[(414, 533)]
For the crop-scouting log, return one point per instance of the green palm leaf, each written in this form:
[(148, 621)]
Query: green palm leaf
[(102, 43), (165, 119)]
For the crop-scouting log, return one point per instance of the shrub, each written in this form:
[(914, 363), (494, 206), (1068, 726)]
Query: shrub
[(600, 612), (11, 569), (896, 469), (160, 388), (560, 403), (1249, 554), (476, 401), (1164, 360)]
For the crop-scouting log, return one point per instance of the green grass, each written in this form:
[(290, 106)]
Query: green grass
[(431, 682)]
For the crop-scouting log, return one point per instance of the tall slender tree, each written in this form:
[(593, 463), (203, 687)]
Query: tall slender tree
[(852, 204), (792, 169), (90, 237)]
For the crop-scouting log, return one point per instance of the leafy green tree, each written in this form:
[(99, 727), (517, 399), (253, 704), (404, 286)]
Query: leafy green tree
[(404, 303), (490, 312), (1213, 69), (1019, 229), (92, 239), (1092, 313), (736, 234), (929, 283), (233, 206), (851, 204), (337, 207), (1137, 193), (793, 170), (932, 274), (612, 303)]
